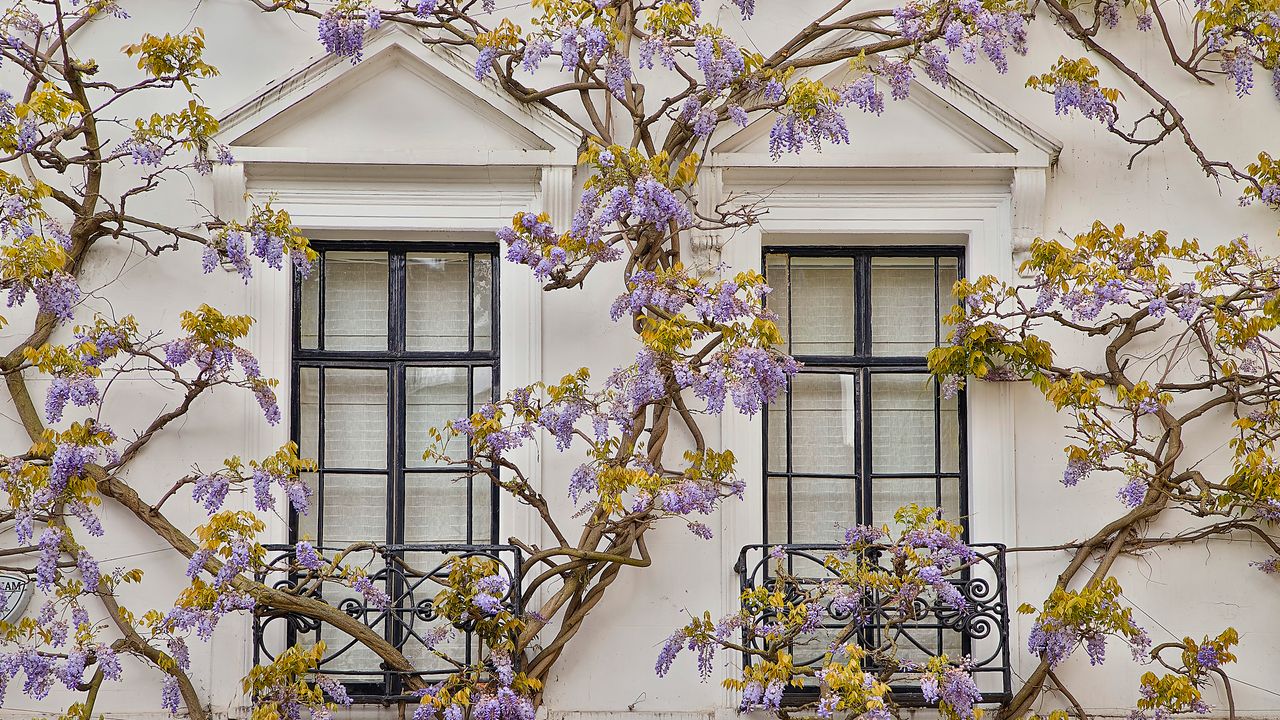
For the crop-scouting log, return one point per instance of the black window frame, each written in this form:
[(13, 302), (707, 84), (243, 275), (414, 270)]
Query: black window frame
[(395, 359), (863, 364)]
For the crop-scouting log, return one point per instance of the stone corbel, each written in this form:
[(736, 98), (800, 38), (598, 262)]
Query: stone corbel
[(704, 245), (1029, 187), (229, 190), (557, 193)]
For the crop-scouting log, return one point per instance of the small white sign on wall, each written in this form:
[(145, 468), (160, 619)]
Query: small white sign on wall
[(15, 591)]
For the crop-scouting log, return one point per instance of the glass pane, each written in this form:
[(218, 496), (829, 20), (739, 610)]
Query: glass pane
[(949, 438), (951, 500), (433, 396), (902, 427), (355, 301), (482, 390), (824, 426), (779, 301), (355, 509), (307, 527), (822, 301), (309, 413), (435, 508), (776, 421), (903, 308), (310, 310), (776, 498), (481, 511), (355, 418), (889, 494), (482, 302), (438, 301), (948, 274), (821, 508)]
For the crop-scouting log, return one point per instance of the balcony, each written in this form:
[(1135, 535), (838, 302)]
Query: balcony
[(411, 575), (980, 631)]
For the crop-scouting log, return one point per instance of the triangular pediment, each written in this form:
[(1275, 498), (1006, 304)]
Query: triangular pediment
[(404, 97), (955, 124)]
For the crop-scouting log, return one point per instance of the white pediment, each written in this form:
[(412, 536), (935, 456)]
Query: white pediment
[(952, 126), (406, 102)]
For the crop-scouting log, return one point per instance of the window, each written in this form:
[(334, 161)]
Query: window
[(863, 429), (391, 339)]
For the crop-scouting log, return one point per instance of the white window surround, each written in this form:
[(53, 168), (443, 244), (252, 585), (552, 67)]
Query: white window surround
[(844, 214), (444, 190), (990, 199)]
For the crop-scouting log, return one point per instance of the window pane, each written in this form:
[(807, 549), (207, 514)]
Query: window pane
[(355, 509), (482, 390), (824, 426), (903, 320), (951, 500), (889, 494), (309, 412), (435, 508), (482, 302), (776, 499), (948, 274), (355, 301), (821, 508), (481, 511), (822, 304), (433, 396), (902, 427), (438, 301), (776, 419), (779, 301), (309, 313), (949, 422), (355, 418), (308, 529)]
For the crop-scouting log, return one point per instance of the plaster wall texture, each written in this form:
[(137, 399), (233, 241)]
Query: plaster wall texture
[(1017, 461)]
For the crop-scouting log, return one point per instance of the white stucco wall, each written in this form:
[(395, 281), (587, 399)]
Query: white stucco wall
[(1016, 440)]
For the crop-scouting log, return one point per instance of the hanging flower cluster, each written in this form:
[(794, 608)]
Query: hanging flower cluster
[(268, 235), (33, 259), (1074, 86), (210, 345), (288, 688), (1086, 617), (1181, 690)]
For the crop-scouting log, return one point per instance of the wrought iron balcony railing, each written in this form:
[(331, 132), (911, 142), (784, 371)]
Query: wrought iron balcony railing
[(979, 632), (411, 575)]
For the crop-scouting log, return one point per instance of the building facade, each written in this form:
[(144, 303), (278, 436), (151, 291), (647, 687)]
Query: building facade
[(400, 167)]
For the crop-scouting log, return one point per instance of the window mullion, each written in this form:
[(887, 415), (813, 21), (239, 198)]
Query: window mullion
[(864, 453), (397, 298), (320, 305), (471, 302), (862, 306), (395, 450)]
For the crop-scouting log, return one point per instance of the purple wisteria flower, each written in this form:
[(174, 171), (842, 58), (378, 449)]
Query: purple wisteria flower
[(1133, 493), (342, 34)]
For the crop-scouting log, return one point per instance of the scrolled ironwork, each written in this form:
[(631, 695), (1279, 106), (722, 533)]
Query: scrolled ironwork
[(411, 575), (924, 626)]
